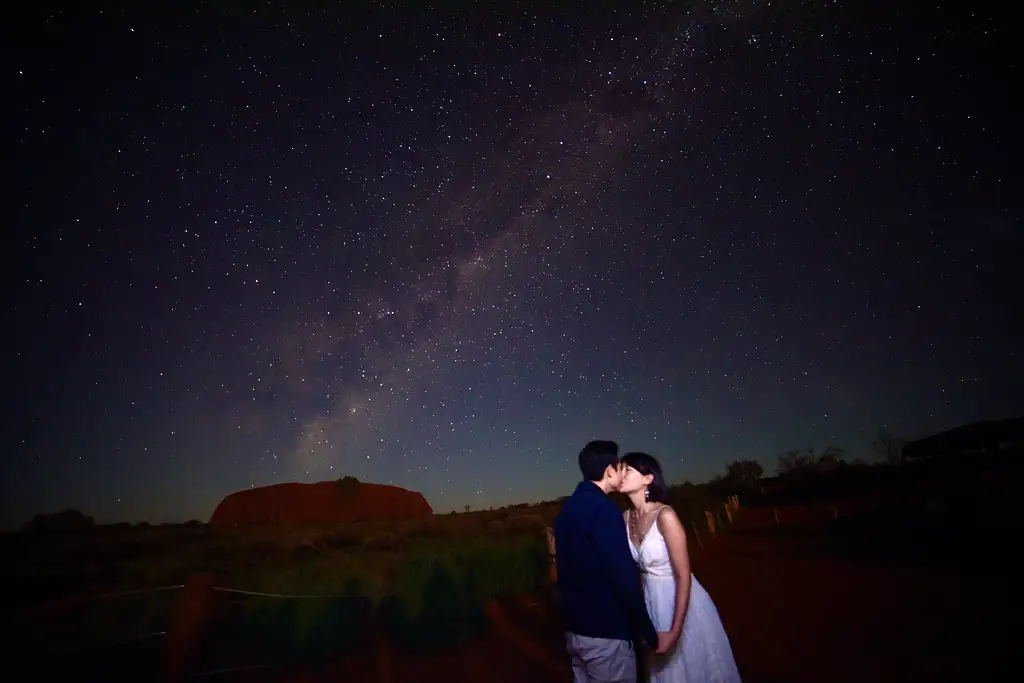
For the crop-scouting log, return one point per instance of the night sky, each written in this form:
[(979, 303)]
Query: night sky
[(444, 251)]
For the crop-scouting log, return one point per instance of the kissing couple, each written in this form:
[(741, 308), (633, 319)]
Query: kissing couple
[(624, 578)]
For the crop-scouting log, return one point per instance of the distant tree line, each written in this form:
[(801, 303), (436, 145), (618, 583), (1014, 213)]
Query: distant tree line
[(65, 520), (799, 474)]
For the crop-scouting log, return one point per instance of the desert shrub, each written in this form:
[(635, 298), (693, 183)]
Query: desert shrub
[(525, 522), (215, 554), (382, 540), (172, 571), (345, 538), (339, 625), (306, 549), (435, 614), (130, 550), (289, 630), (440, 528), (268, 624), (410, 579), (422, 528), (431, 528), (504, 569)]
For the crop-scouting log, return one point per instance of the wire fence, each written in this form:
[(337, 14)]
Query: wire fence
[(292, 596), (78, 601), (49, 636), (62, 607), (144, 621)]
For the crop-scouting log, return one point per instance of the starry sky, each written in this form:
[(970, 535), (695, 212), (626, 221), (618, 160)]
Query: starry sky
[(445, 249)]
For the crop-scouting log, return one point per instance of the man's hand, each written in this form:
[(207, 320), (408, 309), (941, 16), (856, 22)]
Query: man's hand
[(666, 641)]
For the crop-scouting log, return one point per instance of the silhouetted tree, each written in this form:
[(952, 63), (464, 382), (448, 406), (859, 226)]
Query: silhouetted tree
[(466, 508), (795, 461), (347, 486), (830, 458), (690, 500), (744, 472), (888, 447), (65, 520), (802, 462)]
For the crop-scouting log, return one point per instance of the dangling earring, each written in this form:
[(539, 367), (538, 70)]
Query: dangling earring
[(647, 495)]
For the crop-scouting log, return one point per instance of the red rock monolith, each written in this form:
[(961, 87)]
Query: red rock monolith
[(325, 501)]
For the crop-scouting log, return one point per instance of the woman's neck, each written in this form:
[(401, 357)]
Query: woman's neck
[(640, 502)]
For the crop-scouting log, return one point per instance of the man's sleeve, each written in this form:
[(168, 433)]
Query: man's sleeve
[(612, 546)]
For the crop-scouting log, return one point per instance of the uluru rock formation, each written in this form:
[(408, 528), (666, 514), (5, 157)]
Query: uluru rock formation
[(345, 500)]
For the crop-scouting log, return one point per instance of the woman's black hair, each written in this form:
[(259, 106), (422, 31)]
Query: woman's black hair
[(647, 464)]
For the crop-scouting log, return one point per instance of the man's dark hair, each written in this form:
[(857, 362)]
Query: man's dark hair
[(596, 457)]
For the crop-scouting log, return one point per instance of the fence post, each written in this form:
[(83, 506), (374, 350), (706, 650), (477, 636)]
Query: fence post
[(549, 535), (186, 628), (711, 523)]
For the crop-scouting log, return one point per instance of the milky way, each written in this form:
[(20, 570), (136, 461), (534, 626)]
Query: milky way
[(528, 204), (446, 252)]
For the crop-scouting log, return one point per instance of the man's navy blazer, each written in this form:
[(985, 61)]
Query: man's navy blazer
[(599, 583)]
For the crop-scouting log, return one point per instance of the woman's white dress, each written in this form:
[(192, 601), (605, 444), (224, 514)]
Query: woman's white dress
[(703, 653)]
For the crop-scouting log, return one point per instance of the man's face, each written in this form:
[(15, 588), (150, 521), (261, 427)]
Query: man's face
[(629, 479), (615, 475)]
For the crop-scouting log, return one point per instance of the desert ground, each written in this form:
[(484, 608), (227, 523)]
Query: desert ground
[(799, 617), (827, 573), (797, 610)]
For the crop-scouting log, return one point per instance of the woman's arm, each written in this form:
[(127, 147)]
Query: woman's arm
[(675, 538)]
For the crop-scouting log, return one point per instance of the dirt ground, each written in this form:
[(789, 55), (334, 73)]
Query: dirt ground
[(792, 618)]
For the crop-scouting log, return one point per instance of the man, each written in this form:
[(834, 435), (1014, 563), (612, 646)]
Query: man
[(601, 593)]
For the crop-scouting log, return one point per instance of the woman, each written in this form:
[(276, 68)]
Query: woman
[(698, 649)]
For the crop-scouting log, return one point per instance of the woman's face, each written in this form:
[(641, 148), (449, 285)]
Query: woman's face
[(632, 480)]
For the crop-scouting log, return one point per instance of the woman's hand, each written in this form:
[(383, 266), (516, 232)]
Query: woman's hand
[(666, 641)]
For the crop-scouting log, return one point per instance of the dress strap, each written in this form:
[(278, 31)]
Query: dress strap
[(657, 517)]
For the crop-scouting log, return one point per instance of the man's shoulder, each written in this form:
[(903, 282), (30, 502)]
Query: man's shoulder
[(589, 504), (576, 505), (568, 506)]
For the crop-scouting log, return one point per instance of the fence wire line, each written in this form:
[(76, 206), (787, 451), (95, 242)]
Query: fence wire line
[(239, 591), (121, 594)]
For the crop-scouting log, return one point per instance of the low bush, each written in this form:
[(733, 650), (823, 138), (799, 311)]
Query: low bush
[(289, 630)]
